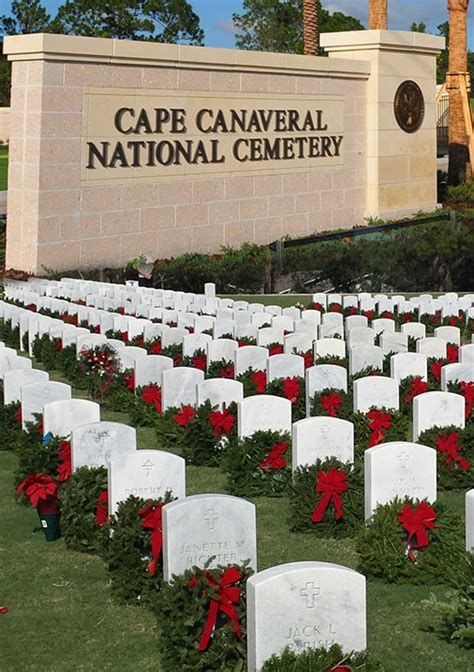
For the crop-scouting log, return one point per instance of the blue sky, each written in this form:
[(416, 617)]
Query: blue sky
[(216, 15)]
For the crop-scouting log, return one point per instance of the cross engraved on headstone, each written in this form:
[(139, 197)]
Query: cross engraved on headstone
[(403, 459), (310, 592), (101, 437), (148, 466), (210, 517)]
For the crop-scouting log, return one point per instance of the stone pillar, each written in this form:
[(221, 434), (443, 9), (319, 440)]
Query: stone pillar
[(401, 164)]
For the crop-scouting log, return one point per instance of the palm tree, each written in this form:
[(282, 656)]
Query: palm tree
[(456, 84), (311, 27), (378, 15)]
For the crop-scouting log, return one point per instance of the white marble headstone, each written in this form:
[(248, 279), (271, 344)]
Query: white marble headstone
[(362, 357), (432, 347), (330, 347), (220, 392), (202, 526), (285, 366), (13, 381), (149, 370), (263, 412), (322, 437), (408, 364), (375, 391), (61, 417), (398, 469), (304, 605), (178, 386), (437, 409), (250, 357), (148, 474), (95, 444), (35, 395), (451, 373)]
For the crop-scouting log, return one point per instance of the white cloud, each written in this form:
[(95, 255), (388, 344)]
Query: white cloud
[(226, 26)]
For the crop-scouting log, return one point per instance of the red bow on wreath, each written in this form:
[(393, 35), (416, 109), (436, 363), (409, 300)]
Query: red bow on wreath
[(452, 353), (129, 380), (417, 386), (331, 484), (152, 519), (155, 348), (185, 416), (65, 465), (260, 380), (448, 444), (331, 403), (467, 391), (435, 368), (291, 389), (416, 522), (151, 395), (102, 511), (225, 596), (18, 415), (221, 422), (275, 460), (199, 362), (378, 422)]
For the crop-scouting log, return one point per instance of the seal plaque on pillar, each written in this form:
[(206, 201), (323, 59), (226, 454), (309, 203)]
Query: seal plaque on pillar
[(409, 106)]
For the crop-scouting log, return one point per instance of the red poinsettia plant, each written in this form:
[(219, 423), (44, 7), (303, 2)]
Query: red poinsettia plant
[(41, 491)]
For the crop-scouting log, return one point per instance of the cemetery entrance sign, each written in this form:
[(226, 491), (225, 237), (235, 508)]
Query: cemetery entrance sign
[(121, 148), (191, 134)]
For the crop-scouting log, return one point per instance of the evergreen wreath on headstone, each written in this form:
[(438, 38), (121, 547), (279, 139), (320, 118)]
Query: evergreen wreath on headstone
[(335, 403), (378, 426), (196, 635), (322, 660), (412, 542), (135, 538), (83, 508), (455, 455), (259, 465), (205, 437), (327, 499)]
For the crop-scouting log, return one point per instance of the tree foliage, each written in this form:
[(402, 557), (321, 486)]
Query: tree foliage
[(274, 25), (172, 21), (27, 16)]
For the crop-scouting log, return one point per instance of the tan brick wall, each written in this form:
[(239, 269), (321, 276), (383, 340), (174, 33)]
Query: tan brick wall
[(56, 222)]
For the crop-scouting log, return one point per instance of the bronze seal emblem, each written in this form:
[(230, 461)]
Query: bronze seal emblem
[(409, 106)]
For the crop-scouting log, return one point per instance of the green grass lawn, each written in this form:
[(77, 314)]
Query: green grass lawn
[(61, 616), (3, 168)]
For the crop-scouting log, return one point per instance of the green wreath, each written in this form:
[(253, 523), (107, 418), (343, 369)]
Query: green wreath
[(458, 388), (322, 660), (252, 469), (222, 368), (304, 500), (79, 500), (10, 425), (455, 623), (182, 611), (129, 552), (398, 430), (382, 547), (457, 473), (36, 454), (204, 440)]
